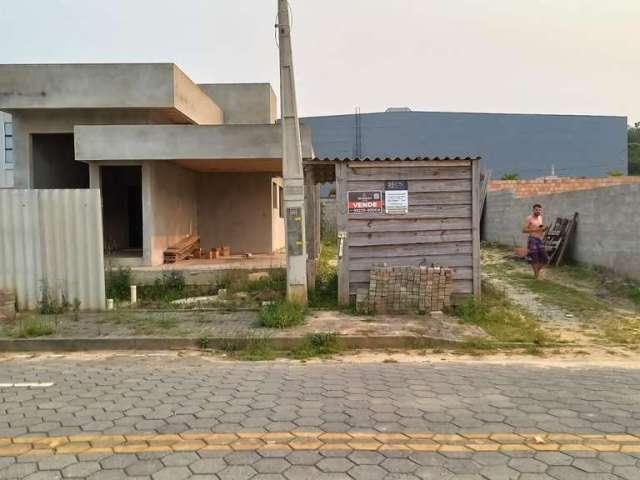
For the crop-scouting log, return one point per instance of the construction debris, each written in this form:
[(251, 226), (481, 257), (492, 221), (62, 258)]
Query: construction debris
[(181, 250)]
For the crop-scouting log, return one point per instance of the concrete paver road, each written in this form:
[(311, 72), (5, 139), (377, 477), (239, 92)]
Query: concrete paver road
[(171, 417)]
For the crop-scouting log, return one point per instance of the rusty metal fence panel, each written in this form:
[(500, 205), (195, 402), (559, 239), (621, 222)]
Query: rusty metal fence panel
[(51, 244)]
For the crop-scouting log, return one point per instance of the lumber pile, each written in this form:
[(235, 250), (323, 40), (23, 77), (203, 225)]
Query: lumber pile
[(181, 250), (558, 236)]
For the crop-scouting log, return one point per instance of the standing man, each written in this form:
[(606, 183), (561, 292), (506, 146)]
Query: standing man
[(534, 228)]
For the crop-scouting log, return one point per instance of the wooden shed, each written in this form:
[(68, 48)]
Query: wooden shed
[(405, 212)]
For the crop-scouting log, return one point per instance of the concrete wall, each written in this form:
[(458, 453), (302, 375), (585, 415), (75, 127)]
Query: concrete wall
[(608, 230), (328, 218), (112, 86), (244, 102), (29, 122), (578, 145), (235, 210), (172, 210)]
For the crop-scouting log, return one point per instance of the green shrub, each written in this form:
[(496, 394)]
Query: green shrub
[(281, 314), (34, 327), (615, 173), (118, 283), (168, 288), (49, 303), (510, 176), (318, 345)]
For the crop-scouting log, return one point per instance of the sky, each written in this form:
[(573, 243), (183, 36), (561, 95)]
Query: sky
[(515, 56)]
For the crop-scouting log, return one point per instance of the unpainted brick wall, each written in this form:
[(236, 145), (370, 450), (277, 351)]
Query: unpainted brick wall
[(550, 185)]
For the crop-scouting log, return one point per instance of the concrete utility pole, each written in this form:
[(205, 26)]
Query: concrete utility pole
[(292, 165)]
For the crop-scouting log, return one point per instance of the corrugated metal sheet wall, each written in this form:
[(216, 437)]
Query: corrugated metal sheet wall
[(52, 239)]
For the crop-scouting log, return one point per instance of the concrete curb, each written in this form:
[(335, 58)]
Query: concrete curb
[(236, 343)]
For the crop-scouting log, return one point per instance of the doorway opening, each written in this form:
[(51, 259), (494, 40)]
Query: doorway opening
[(122, 210), (54, 162)]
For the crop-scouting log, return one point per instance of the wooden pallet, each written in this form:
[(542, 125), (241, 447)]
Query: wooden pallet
[(557, 237), (182, 249)]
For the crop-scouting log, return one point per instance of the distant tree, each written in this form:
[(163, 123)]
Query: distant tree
[(633, 140), (634, 159), (510, 176)]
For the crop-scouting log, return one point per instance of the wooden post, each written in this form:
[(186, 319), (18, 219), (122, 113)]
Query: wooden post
[(310, 226), (475, 219), (342, 221)]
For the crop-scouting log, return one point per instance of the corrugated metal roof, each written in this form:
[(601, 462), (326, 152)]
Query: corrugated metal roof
[(392, 159)]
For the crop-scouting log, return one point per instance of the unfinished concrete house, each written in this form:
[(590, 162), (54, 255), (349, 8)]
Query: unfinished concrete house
[(172, 158)]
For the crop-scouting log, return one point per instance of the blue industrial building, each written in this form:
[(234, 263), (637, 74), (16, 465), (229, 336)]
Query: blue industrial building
[(526, 144)]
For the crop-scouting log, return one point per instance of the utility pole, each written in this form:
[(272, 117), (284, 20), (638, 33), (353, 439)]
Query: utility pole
[(292, 166)]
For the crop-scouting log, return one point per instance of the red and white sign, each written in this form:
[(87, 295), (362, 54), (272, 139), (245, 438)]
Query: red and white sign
[(365, 202)]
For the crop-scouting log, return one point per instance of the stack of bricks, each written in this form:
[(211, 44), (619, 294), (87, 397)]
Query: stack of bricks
[(407, 289)]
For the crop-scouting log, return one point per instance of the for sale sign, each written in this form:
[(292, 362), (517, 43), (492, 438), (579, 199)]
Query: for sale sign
[(365, 202)]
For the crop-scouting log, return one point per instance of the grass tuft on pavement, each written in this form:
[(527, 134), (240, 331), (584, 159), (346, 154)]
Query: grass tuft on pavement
[(281, 314)]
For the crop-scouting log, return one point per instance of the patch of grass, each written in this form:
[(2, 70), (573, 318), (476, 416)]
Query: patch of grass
[(320, 344), (569, 299), (325, 294), (614, 285), (501, 319), (33, 327), (118, 283), (203, 342), (281, 314), (257, 349), (624, 331), (166, 289)]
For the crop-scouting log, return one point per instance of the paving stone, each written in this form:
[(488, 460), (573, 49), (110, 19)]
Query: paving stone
[(335, 465), (592, 465), (306, 457), (363, 457), (527, 465), (48, 475), (109, 475), (433, 473), (368, 472), (303, 473), (118, 461), (242, 458), (617, 459), (81, 470), (271, 465), (208, 465), (499, 472), (180, 459), (236, 473), (627, 473), (399, 465), (145, 467), (567, 473), (56, 462), (172, 473)]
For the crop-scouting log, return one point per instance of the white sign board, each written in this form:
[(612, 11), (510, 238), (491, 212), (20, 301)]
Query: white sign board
[(396, 201)]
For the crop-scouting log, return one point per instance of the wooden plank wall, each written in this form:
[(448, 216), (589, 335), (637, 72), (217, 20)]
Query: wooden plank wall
[(438, 230)]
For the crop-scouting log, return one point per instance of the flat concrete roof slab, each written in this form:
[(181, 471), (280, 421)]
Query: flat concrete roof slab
[(106, 86), (258, 143)]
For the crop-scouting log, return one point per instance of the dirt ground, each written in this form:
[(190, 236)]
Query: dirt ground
[(196, 324), (574, 304)]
